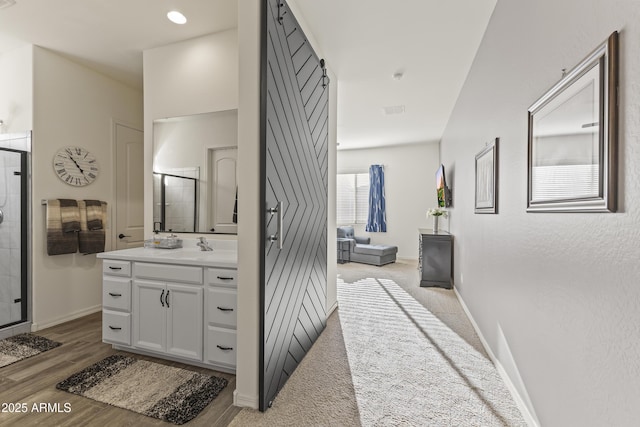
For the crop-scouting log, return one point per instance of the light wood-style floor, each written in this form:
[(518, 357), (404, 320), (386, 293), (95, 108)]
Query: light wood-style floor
[(33, 380)]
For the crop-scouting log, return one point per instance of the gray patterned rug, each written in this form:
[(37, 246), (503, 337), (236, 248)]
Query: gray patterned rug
[(159, 391), (19, 347)]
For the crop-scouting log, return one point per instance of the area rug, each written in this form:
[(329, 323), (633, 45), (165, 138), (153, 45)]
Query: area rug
[(19, 347), (159, 391)]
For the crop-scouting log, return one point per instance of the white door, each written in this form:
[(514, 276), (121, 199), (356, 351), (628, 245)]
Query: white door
[(129, 200), (222, 164), (184, 320), (149, 315)]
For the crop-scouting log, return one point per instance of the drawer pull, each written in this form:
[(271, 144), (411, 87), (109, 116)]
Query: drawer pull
[(162, 296), (224, 348), (115, 295), (115, 268), (225, 278), (166, 299), (114, 328), (225, 309)]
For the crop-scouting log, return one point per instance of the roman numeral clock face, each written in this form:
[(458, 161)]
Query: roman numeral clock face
[(75, 166)]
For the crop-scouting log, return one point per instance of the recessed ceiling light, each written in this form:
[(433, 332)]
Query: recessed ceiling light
[(176, 17)]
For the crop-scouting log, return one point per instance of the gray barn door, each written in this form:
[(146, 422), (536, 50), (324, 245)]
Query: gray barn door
[(294, 194)]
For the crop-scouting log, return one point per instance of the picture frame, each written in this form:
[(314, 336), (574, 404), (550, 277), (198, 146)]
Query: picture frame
[(573, 138), (486, 167)]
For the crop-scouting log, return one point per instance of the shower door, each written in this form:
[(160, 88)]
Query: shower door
[(13, 236)]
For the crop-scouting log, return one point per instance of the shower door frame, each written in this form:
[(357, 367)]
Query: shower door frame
[(24, 324)]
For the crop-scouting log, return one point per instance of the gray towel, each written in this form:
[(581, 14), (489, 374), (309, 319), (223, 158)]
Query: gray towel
[(69, 215), (58, 241), (94, 215), (91, 241)]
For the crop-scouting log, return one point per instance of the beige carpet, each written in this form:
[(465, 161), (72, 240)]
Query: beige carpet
[(395, 354)]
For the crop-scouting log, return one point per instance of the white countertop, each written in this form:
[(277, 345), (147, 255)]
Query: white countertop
[(224, 255)]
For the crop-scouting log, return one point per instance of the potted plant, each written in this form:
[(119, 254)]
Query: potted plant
[(436, 213)]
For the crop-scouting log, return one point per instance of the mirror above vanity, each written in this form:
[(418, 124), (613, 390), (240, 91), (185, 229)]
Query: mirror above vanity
[(194, 173)]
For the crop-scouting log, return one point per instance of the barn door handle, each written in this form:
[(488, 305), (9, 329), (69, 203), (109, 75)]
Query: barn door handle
[(279, 236)]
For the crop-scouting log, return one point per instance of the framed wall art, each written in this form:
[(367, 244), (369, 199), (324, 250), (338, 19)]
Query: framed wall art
[(573, 137), (487, 179)]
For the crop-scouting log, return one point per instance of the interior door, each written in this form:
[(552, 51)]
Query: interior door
[(129, 206), (223, 190), (294, 194)]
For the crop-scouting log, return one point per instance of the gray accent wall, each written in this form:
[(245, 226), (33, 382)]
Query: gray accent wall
[(555, 295)]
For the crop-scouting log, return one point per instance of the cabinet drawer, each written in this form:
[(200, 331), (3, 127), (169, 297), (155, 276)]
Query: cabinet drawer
[(116, 293), (222, 306), (168, 272), (116, 268), (221, 346), (222, 277), (116, 327)]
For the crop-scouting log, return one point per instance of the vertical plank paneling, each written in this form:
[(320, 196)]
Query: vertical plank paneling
[(294, 162)]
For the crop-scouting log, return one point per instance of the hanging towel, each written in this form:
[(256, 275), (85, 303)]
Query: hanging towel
[(69, 215), (58, 241), (91, 240), (94, 214)]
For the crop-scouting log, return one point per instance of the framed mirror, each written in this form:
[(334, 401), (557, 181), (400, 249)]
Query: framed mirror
[(573, 136), (195, 176)]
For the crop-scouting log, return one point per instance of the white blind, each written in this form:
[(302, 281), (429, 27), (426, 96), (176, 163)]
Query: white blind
[(565, 182), (352, 201)]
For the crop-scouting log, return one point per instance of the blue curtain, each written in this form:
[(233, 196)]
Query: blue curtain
[(377, 220)]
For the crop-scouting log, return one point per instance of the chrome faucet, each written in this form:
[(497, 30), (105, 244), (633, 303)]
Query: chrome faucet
[(204, 245)]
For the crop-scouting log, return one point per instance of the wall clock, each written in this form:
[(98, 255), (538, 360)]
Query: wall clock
[(75, 166)]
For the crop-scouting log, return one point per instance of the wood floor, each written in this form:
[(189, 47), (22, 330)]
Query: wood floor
[(33, 380)]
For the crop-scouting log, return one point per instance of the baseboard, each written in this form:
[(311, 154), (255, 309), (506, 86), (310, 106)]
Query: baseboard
[(332, 309), (524, 409), (62, 319), (245, 401)]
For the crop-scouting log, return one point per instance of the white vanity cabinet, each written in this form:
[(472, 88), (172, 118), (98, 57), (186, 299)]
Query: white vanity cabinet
[(116, 302), (221, 316), (178, 308)]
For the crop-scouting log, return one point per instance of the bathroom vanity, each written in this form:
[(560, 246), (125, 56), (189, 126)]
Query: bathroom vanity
[(178, 304)]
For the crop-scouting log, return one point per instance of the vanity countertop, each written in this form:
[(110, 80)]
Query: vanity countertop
[(225, 256)]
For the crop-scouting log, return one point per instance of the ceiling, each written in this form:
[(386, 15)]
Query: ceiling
[(432, 43)]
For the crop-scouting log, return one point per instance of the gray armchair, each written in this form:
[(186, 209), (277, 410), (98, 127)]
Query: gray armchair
[(360, 249)]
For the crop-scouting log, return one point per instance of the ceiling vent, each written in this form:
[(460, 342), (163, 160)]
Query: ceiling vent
[(395, 109), (6, 3)]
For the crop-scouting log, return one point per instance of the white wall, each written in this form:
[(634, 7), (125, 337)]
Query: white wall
[(410, 190), (16, 89), (556, 296), (192, 77), (73, 105)]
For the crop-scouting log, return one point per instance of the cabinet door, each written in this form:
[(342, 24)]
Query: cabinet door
[(149, 315), (184, 320)]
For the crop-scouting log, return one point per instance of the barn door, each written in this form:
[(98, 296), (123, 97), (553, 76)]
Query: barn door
[(294, 196)]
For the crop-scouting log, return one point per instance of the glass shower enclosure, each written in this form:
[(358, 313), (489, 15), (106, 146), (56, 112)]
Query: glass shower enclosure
[(14, 232)]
